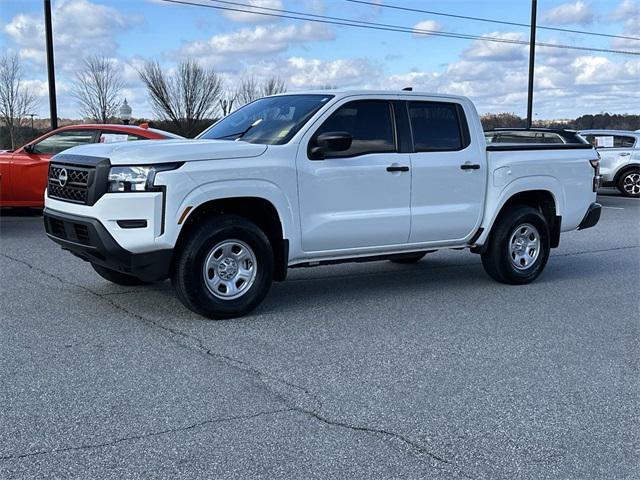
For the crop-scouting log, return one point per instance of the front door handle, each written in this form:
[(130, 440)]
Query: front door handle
[(470, 166), (397, 168), (625, 154)]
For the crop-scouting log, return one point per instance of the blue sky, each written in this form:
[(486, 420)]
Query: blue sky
[(309, 55)]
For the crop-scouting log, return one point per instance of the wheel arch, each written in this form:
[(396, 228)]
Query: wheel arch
[(544, 199), (623, 170), (256, 209)]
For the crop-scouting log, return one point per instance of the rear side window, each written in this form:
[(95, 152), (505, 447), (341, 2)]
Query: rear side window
[(438, 126), (370, 124), (610, 141), (112, 136)]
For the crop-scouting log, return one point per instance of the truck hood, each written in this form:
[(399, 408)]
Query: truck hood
[(145, 152)]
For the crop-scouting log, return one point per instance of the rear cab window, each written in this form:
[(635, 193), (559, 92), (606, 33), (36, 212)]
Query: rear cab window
[(438, 126)]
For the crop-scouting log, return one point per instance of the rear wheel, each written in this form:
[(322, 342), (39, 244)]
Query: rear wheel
[(408, 258), (519, 247), (118, 278), (224, 269), (629, 183)]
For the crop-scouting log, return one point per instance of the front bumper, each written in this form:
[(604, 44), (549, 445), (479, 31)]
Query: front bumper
[(592, 216), (88, 239)]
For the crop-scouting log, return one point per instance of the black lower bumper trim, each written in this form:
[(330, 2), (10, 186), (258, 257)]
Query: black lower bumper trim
[(88, 239), (592, 216)]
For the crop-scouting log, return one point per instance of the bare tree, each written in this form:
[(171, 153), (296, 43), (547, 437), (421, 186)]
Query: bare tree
[(185, 97), (16, 100), (227, 101), (248, 91), (273, 86), (97, 88)]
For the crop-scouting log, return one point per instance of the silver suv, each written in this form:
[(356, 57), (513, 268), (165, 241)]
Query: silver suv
[(620, 158)]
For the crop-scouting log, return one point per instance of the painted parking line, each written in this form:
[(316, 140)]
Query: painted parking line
[(613, 208)]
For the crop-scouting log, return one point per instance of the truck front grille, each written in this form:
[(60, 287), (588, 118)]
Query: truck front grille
[(69, 183)]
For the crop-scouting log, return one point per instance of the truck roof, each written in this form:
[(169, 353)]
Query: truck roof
[(348, 93)]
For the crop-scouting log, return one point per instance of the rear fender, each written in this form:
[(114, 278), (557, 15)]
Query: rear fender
[(495, 203)]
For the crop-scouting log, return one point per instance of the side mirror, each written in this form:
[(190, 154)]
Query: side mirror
[(331, 142), (29, 148)]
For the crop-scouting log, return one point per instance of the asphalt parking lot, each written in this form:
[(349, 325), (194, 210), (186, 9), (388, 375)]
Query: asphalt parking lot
[(355, 371)]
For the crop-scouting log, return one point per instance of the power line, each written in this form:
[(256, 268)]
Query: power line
[(383, 27), (490, 20)]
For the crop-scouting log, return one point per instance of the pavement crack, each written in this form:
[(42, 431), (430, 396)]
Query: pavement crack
[(264, 378), (128, 438)]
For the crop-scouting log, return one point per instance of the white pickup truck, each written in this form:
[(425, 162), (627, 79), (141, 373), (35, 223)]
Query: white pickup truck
[(305, 179)]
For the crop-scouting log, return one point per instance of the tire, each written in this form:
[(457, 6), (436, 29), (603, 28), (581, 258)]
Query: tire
[(225, 268), (629, 183), (118, 278), (408, 258), (518, 247)]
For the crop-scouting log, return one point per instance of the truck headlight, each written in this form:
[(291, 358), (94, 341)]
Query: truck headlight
[(136, 178), (129, 179)]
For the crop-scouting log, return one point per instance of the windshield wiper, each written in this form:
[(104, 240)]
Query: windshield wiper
[(243, 132)]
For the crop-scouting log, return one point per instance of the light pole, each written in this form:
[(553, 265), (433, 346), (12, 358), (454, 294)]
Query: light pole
[(125, 112), (532, 56), (31, 115), (53, 108)]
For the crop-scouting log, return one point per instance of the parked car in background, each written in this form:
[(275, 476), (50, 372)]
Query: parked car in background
[(533, 135), (23, 172), (306, 179), (620, 158)]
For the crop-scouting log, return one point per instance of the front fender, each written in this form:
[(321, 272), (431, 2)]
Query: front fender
[(256, 188)]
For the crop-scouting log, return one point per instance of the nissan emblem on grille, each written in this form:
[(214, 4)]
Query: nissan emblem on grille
[(62, 177)]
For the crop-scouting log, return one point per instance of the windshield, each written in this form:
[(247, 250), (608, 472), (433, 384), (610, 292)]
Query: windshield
[(269, 121)]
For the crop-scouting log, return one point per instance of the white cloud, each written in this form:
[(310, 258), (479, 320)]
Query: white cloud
[(426, 25), (567, 84), (225, 48), (80, 27), (569, 13), (305, 73), (627, 12), (247, 16), (487, 50)]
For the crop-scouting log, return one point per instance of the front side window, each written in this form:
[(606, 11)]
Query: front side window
[(369, 122), (61, 141), (268, 121), (435, 126)]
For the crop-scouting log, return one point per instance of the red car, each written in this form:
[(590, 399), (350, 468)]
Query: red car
[(23, 173)]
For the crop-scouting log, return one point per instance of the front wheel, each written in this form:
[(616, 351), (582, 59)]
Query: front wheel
[(629, 183), (224, 269), (519, 247)]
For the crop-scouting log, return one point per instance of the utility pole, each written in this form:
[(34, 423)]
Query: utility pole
[(532, 58), (53, 109)]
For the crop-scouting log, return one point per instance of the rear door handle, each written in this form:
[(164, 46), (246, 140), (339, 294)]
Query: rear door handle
[(397, 168), (470, 166), (626, 154)]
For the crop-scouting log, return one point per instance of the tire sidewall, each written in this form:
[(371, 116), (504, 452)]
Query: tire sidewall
[(621, 182), (190, 269), (513, 274)]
